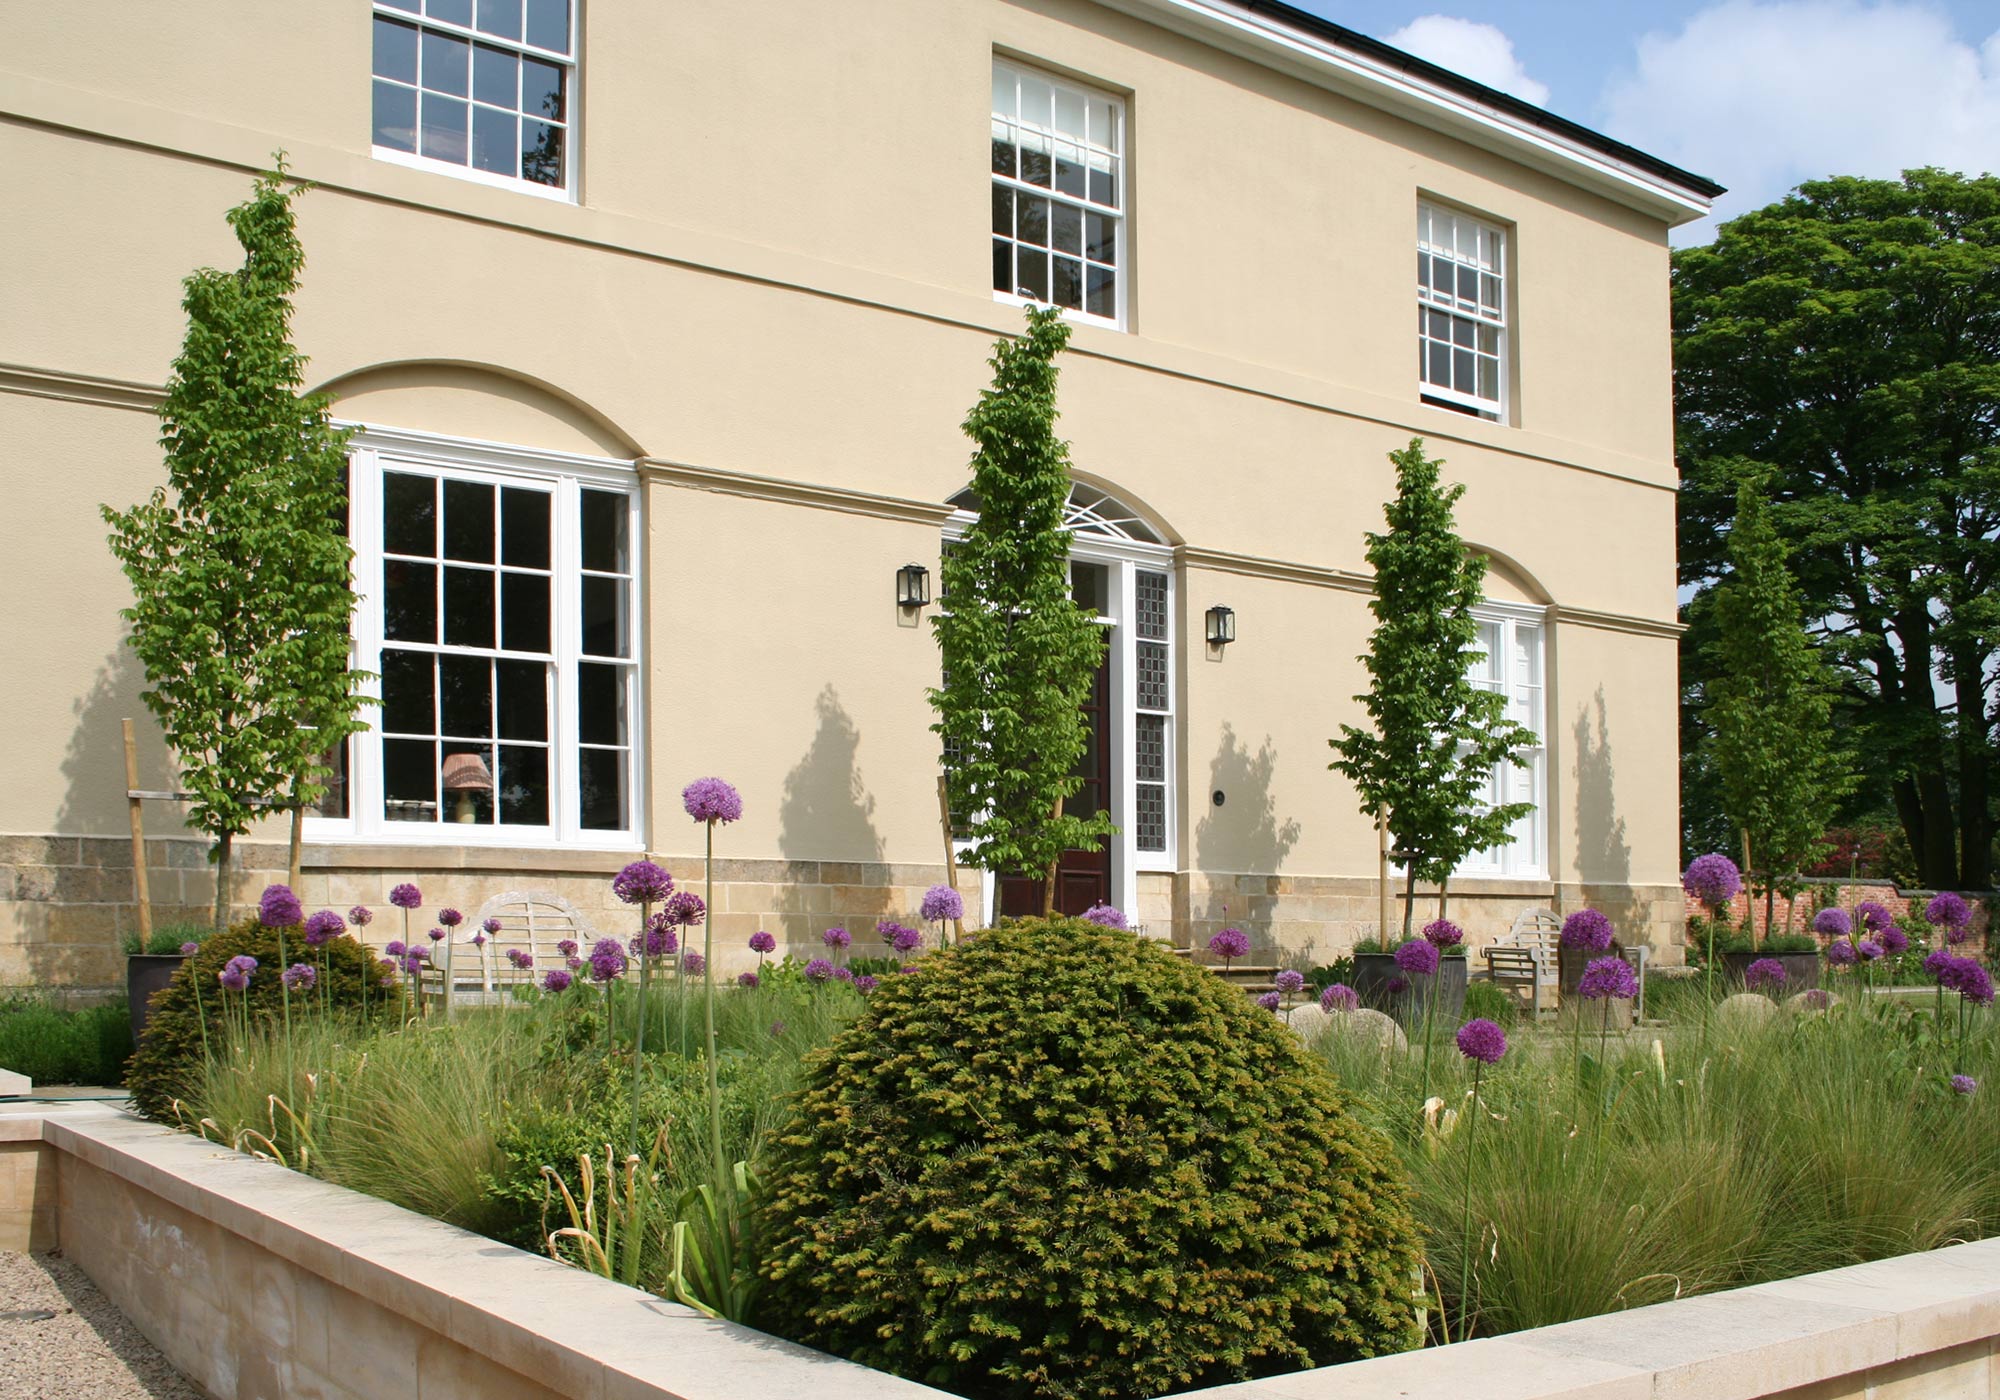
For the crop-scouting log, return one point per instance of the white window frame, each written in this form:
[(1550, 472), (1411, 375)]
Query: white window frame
[(572, 112), (1433, 216), (1120, 150), (1526, 857), (374, 450)]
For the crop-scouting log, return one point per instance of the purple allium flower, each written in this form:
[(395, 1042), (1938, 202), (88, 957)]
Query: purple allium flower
[(322, 928), (1443, 934), (567, 947), (300, 976), (762, 942), (1869, 949), (1107, 917), (279, 907), (232, 980), (1230, 943), (188, 950), (684, 909), (902, 939), (1270, 1001), (1290, 982), (1816, 998), (521, 958), (1587, 929), (1607, 977), (1339, 997), (694, 962), (394, 948), (942, 902), (777, 1029), (864, 983), (1964, 1084), (436, 935), (1936, 961), (556, 979), (642, 882), (450, 918), (479, 938), (607, 960), (1712, 879), (712, 800), (819, 970), (843, 974), (1893, 939), (1974, 982), (1841, 953), (573, 964), (406, 896), (659, 938), (1482, 1040), (838, 939), (1948, 910), (361, 916), (1417, 957), (1834, 923), (413, 962), (491, 926), (1763, 973), (242, 963), (1396, 986), (747, 979), (1874, 916)]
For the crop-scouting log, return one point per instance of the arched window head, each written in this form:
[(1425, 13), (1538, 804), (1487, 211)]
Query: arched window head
[(1089, 511)]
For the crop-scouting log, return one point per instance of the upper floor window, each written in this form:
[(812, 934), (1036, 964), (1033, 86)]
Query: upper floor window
[(1461, 311), (1058, 194), (1510, 663), (482, 88)]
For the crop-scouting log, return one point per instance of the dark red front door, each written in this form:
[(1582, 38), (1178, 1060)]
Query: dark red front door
[(1083, 878)]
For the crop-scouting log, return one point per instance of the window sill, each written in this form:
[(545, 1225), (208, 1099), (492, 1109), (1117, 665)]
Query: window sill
[(472, 176), (1070, 314), (332, 852)]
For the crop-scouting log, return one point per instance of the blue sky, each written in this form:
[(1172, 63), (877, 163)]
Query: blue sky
[(1756, 94)]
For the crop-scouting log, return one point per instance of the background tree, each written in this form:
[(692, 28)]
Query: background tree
[(1019, 655), (239, 565), (1843, 344), (1438, 734), (1770, 706)]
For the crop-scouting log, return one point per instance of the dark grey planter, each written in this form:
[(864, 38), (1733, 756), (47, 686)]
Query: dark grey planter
[(145, 974), (1373, 973), (1801, 969)]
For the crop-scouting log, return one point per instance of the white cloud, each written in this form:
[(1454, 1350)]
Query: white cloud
[(1761, 94), (1479, 51)]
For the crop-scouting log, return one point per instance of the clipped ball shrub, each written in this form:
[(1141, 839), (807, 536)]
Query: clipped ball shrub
[(189, 1013), (1059, 1161)]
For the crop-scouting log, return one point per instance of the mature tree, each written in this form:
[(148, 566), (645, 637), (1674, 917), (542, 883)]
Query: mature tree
[(1438, 734), (239, 565), (1019, 655), (1770, 705), (1844, 345)]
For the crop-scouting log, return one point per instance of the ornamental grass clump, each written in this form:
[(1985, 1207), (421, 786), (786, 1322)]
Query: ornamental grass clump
[(1061, 1162)]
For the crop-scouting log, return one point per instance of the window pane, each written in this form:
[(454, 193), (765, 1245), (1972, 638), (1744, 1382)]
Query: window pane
[(468, 607), (1104, 186), (604, 617), (465, 697), (1003, 149), (548, 24), (1068, 289), (1003, 211), (542, 153), (1150, 754), (524, 699), (1440, 367), (1069, 170), (410, 5), (1003, 266), (1489, 379), (1152, 688), (1069, 112), (1032, 266), (600, 704), (447, 64), (408, 704), (395, 117), (502, 17), (1102, 297), (496, 141), (395, 50), (604, 517), (443, 135), (1066, 228), (524, 785), (450, 11), (409, 514), (468, 521), (1035, 159), (542, 89), (524, 527), (601, 789), (1032, 215), (1003, 92), (409, 779), (409, 601), (469, 804), (496, 77), (524, 612), (1036, 101), (1463, 377), (1101, 239), (1103, 125)]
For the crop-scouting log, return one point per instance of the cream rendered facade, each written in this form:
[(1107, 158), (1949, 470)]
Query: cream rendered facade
[(768, 304)]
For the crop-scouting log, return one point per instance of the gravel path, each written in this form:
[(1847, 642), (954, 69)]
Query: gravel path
[(60, 1337)]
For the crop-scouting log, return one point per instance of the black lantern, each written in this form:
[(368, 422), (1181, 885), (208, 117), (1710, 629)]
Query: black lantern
[(1221, 626), (913, 586)]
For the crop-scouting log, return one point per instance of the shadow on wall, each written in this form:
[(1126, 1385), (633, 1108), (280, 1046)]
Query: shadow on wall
[(1604, 860), (826, 815), (1240, 846)]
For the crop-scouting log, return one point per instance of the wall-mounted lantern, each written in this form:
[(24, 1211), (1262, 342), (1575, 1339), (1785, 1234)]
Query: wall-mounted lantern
[(1221, 626), (913, 586)]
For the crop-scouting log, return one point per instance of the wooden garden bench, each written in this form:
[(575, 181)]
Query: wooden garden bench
[(1526, 956), (481, 974)]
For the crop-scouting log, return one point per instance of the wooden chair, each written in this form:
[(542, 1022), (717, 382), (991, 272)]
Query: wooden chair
[(1526, 956), (533, 923)]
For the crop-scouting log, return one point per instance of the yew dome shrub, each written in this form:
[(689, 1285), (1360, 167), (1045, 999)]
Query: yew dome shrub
[(1059, 1161)]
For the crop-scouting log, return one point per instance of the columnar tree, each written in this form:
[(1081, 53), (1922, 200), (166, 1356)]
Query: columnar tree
[(239, 565), (1770, 703), (1019, 655), (1438, 734)]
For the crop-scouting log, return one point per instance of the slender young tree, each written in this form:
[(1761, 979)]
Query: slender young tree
[(1437, 734), (1019, 655), (239, 565), (1770, 701)]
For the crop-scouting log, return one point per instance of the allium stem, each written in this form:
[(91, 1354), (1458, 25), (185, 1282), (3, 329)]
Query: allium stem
[(708, 1010), (1465, 1212), (639, 1031), (285, 995)]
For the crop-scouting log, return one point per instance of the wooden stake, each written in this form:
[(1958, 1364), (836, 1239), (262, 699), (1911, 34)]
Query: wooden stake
[(136, 804), (950, 855), (292, 867), (1382, 868)]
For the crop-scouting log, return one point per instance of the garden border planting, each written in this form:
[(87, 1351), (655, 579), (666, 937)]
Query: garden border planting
[(256, 1280)]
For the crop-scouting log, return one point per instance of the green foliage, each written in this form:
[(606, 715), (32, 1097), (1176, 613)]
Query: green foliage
[(54, 1044), (239, 565), (1483, 999), (1843, 345), (1770, 702), (1324, 975), (1019, 655), (1058, 1161), (193, 1019), (165, 939), (1437, 734)]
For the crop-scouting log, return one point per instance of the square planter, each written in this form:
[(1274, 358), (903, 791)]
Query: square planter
[(145, 974)]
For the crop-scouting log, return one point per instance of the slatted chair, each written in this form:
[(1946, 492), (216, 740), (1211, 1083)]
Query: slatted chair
[(533, 923), (1526, 956)]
